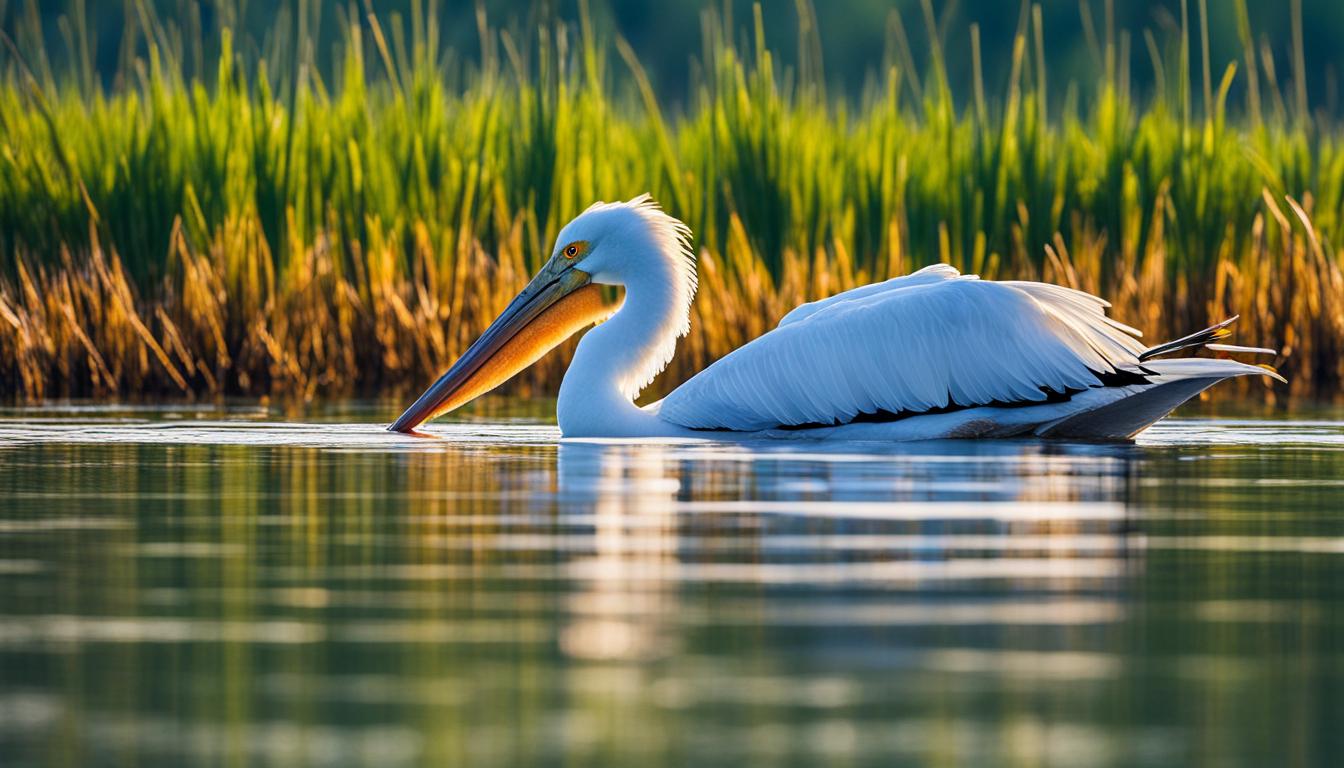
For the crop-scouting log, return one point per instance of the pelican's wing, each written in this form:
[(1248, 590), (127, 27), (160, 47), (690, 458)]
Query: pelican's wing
[(929, 341), (934, 273)]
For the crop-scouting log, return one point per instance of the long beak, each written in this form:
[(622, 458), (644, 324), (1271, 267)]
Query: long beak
[(557, 303)]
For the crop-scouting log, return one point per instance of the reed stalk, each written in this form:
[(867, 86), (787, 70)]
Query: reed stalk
[(257, 230)]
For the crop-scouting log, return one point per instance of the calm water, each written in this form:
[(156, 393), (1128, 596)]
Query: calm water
[(183, 587)]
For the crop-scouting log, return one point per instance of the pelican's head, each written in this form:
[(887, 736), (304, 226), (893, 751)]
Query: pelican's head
[(621, 243)]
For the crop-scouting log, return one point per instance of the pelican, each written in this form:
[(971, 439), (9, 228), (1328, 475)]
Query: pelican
[(933, 354)]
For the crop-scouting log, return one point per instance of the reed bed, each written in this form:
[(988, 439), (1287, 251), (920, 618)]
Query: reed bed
[(257, 230)]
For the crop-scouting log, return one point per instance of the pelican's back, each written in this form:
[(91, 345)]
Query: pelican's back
[(933, 343)]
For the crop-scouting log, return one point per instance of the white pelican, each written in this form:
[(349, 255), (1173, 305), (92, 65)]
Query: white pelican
[(935, 354)]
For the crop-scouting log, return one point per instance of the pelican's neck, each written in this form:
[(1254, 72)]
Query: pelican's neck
[(618, 358)]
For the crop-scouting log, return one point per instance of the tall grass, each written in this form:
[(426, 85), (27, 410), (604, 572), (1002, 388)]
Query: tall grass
[(260, 230)]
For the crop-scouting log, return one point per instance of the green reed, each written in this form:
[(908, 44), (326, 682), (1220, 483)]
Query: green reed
[(258, 229)]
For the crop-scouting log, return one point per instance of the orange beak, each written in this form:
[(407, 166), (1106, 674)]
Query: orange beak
[(559, 302)]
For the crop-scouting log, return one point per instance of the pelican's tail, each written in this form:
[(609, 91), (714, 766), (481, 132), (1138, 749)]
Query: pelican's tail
[(1130, 410), (1206, 339)]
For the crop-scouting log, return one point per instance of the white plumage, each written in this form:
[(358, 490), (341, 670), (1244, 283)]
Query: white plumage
[(932, 340), (932, 354)]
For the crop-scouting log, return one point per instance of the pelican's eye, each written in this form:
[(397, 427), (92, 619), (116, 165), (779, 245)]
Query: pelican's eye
[(573, 250)]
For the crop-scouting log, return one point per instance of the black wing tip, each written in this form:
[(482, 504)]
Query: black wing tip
[(1197, 339)]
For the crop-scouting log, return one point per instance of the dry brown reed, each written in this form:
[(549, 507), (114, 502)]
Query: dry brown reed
[(178, 238), (79, 328)]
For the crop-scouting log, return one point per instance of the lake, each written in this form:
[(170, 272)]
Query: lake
[(242, 586)]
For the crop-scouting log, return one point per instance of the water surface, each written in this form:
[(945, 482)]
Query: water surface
[(238, 586)]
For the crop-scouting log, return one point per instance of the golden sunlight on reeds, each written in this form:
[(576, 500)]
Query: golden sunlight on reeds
[(262, 234)]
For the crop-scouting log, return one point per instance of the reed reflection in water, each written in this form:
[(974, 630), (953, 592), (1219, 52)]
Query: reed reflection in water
[(235, 590)]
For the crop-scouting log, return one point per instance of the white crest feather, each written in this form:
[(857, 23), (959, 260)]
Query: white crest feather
[(671, 242)]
